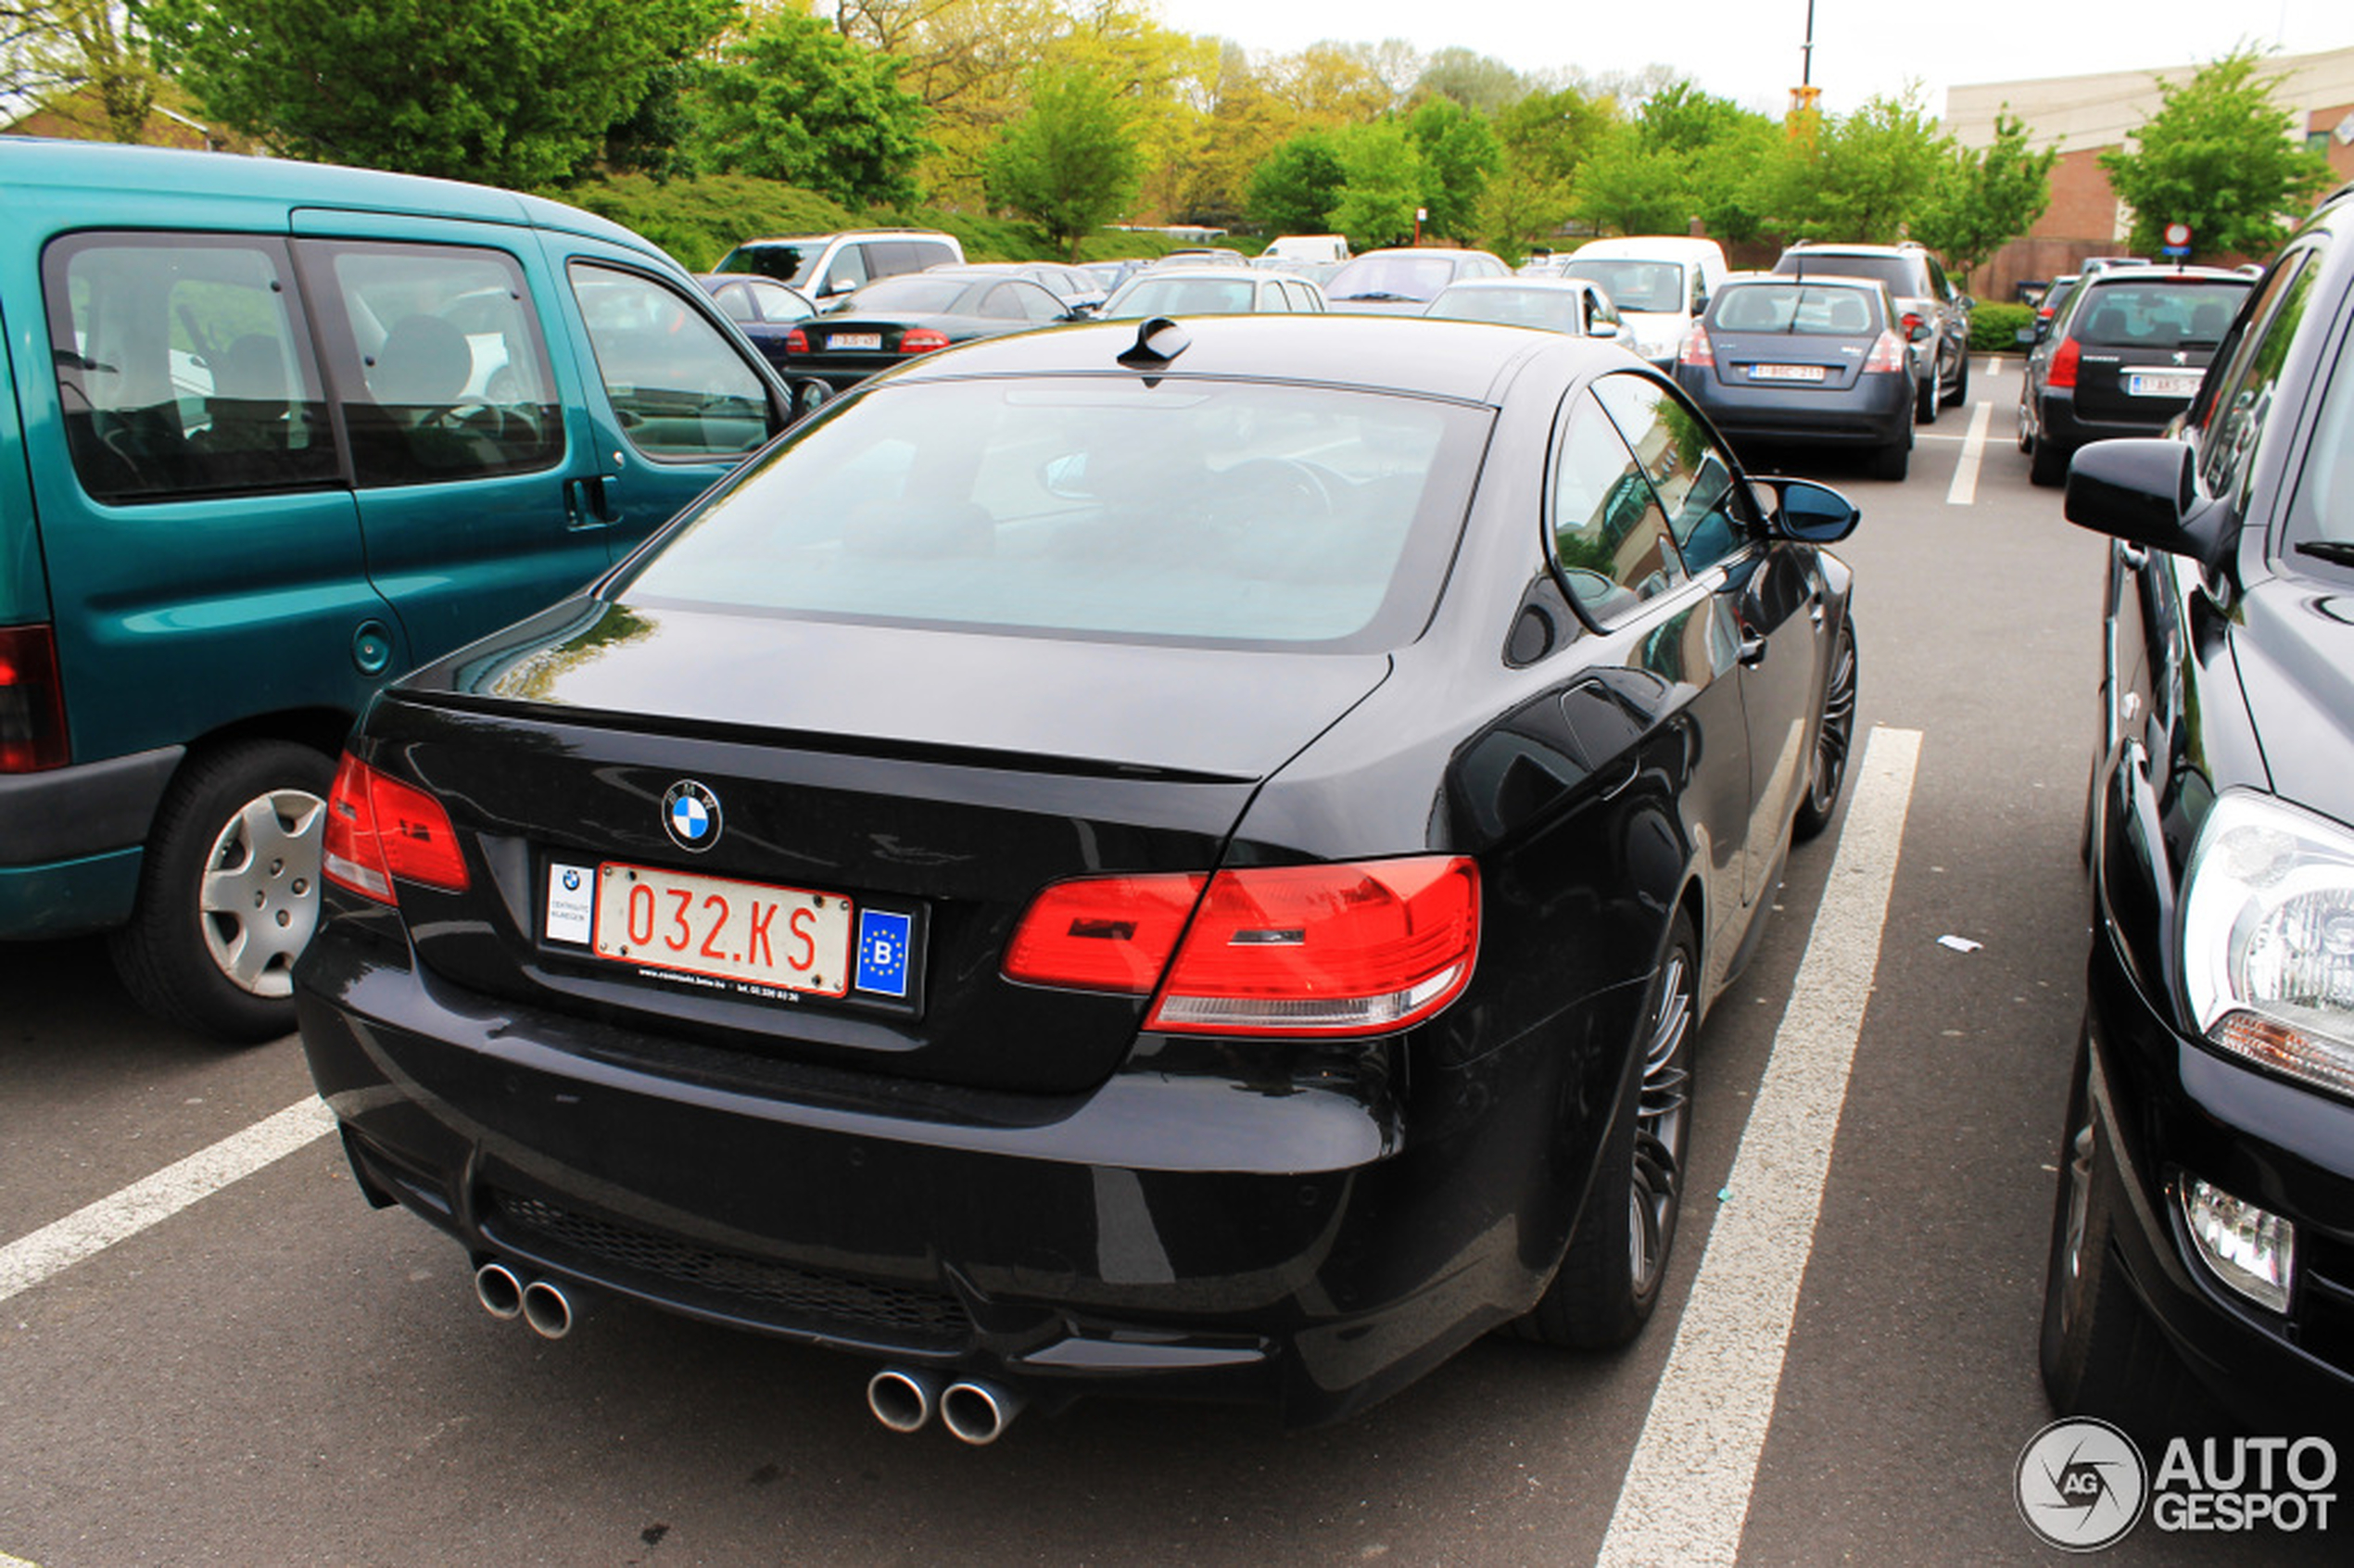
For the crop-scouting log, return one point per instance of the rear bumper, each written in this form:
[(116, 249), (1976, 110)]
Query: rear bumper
[(1173, 1233), (2063, 426), (1877, 412), (70, 842)]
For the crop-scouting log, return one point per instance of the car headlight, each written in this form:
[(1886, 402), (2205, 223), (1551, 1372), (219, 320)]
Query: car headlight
[(2268, 938)]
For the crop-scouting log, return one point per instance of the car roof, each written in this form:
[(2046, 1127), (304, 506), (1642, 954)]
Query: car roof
[(1542, 284), (845, 234), (1465, 361), (88, 167)]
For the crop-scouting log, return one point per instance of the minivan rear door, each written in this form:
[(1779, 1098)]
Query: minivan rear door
[(675, 400), (470, 478)]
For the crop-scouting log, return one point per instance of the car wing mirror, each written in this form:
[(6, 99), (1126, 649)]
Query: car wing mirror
[(2141, 491), (1810, 513), (1602, 329)]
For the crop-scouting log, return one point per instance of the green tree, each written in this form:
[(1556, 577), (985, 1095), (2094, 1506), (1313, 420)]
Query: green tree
[(1993, 195), (1383, 177), (797, 102), (1071, 164), (1295, 190), (1864, 177), (2216, 155), (1482, 84), (1627, 186), (51, 48), (1459, 151), (511, 92)]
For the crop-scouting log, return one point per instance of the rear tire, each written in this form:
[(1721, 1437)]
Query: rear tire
[(229, 890), (1609, 1283), (1960, 393), (1925, 399), (2046, 463), (1895, 459)]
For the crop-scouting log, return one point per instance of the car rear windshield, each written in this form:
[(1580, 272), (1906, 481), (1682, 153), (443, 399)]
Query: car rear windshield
[(1163, 509), (1550, 309), (1900, 274), (1635, 285), (2171, 314), (1809, 308), (1392, 277), (912, 294), (1188, 297), (781, 261)]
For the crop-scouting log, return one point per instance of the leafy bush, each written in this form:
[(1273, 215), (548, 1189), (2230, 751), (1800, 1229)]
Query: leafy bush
[(701, 219), (1994, 329)]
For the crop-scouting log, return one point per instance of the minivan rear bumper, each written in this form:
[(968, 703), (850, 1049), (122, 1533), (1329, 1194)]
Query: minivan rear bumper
[(71, 842)]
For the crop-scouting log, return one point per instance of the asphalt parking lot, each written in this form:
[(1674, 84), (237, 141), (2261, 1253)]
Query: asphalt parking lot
[(231, 1358)]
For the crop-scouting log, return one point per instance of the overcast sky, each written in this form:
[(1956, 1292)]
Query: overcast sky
[(1748, 50)]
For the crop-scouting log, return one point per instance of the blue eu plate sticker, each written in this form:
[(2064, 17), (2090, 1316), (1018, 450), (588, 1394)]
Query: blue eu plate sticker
[(882, 951)]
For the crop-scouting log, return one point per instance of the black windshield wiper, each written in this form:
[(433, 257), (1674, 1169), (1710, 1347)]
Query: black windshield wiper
[(2338, 552), (1379, 295)]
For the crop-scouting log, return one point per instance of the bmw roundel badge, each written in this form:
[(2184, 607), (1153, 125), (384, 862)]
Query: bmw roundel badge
[(690, 815)]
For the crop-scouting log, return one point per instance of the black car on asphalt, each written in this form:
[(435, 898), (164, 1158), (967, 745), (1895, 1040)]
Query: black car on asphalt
[(1121, 859), (2123, 357), (1817, 360), (1925, 298), (2203, 1232), (894, 320)]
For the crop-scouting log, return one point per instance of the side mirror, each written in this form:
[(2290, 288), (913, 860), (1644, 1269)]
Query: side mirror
[(1602, 329), (2141, 491), (1810, 513), (1922, 332), (1699, 302)]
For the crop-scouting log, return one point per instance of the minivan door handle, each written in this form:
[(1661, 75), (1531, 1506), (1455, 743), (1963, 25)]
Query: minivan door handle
[(589, 502)]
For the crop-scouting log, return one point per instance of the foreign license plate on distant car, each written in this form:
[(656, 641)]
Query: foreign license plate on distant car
[(854, 340), (2161, 383), (749, 933), (1786, 373)]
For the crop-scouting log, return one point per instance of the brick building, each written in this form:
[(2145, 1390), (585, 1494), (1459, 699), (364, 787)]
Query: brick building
[(2086, 116)]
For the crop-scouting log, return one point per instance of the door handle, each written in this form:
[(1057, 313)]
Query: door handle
[(589, 502), (1753, 651)]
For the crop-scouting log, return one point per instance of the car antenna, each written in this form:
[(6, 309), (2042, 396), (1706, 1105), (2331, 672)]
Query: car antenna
[(1158, 340)]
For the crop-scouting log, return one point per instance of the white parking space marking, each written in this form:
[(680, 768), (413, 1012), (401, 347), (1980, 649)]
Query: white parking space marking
[(56, 1248), (1963, 490), (1994, 365), (1688, 1488), (7, 1562)]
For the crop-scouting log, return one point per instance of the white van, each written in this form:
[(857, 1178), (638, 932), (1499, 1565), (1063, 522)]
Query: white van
[(1306, 248), (1660, 283)]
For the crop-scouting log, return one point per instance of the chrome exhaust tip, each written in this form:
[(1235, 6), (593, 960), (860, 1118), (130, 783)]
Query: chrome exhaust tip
[(498, 1291), (978, 1413), (900, 1400), (548, 1309)]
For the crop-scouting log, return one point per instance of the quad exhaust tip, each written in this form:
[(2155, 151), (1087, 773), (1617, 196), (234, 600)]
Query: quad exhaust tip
[(900, 1400), (499, 1292), (978, 1413)]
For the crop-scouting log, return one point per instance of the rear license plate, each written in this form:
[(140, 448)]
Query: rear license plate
[(787, 939), (2156, 384), (854, 340), (1786, 373)]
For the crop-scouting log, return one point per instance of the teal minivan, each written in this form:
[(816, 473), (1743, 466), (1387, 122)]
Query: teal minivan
[(271, 434)]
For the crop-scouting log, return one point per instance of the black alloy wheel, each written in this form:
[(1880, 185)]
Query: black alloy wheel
[(1609, 1283), (1834, 739)]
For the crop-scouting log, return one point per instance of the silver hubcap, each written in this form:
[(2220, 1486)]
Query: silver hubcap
[(259, 897), (1659, 1129)]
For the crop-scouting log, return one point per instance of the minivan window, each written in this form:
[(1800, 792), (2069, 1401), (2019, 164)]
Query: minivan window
[(182, 368), (442, 369), (678, 388), (1635, 285)]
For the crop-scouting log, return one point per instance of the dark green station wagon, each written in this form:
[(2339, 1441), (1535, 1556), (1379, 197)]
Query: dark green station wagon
[(271, 434)]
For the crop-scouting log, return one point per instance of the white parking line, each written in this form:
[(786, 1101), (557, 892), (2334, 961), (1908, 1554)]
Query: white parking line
[(7, 1562), (1687, 1490), (1964, 490), (55, 1248)]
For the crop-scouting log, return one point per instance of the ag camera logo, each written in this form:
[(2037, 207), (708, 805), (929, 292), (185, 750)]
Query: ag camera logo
[(2080, 1484)]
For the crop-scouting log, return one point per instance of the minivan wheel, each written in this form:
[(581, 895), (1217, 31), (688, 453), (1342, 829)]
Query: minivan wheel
[(229, 893), (1609, 1283)]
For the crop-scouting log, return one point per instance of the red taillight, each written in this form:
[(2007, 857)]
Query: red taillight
[(921, 340), (1887, 354), (379, 828), (1697, 350), (1103, 933), (33, 701), (1362, 948), (796, 342), (2061, 372)]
